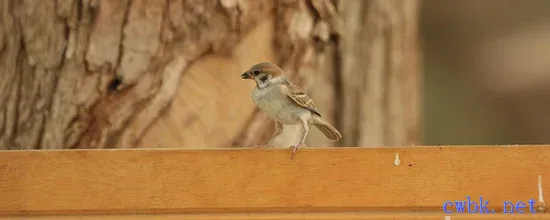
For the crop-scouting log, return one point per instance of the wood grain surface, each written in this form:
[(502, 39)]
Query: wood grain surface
[(302, 216), (252, 183)]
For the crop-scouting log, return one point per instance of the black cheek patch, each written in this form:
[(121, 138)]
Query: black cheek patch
[(264, 78)]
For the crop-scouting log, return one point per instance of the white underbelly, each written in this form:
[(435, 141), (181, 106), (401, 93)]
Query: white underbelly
[(277, 112), (281, 109)]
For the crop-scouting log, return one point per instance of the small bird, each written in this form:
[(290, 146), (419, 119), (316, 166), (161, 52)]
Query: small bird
[(286, 103)]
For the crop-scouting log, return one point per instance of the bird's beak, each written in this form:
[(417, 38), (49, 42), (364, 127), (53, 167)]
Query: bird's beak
[(245, 75)]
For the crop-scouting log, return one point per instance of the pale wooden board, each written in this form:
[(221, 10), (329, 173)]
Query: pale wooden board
[(302, 216), (266, 180)]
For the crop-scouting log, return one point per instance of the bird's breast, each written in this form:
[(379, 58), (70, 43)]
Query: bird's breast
[(276, 105)]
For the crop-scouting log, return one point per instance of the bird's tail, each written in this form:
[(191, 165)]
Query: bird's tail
[(328, 130)]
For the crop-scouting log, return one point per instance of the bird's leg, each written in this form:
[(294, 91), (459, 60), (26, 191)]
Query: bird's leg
[(305, 131), (278, 130)]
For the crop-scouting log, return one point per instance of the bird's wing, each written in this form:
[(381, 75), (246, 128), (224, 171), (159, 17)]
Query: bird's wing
[(300, 98)]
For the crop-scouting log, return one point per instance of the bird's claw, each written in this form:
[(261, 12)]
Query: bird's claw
[(294, 149)]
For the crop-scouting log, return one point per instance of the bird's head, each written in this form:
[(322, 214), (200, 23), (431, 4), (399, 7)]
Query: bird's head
[(264, 74)]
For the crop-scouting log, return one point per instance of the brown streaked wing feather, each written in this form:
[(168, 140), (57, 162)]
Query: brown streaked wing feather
[(300, 98)]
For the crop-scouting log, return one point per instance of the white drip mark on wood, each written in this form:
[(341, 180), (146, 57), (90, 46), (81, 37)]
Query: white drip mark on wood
[(542, 206), (396, 162)]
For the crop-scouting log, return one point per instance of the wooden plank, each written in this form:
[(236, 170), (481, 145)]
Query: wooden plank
[(302, 216), (266, 180)]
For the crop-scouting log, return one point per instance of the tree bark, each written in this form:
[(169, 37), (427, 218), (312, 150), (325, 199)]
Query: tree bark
[(179, 63), (380, 73)]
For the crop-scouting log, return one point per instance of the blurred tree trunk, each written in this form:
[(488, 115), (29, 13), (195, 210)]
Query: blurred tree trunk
[(380, 74), (180, 61), (366, 76)]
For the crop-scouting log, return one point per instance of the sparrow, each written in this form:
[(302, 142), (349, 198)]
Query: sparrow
[(286, 103)]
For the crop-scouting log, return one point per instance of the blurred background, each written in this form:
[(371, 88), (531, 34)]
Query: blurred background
[(384, 72), (486, 69)]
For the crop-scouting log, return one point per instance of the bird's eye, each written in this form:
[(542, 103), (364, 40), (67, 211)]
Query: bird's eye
[(256, 72)]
